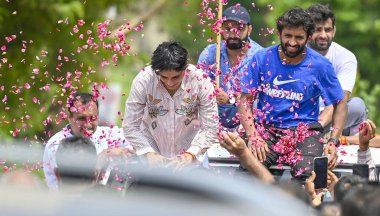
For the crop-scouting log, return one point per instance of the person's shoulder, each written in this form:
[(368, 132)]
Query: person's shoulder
[(145, 75), (60, 135), (210, 47), (316, 57), (208, 53), (194, 74), (265, 52), (254, 44), (342, 51)]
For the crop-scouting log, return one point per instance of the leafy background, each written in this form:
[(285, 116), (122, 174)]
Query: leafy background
[(36, 24)]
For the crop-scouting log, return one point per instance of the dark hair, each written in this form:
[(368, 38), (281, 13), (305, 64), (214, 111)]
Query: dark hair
[(82, 97), (329, 208), (294, 18), (169, 56), (321, 13), (345, 184), (362, 201), (76, 159)]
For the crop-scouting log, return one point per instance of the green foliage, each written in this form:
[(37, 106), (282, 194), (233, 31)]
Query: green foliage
[(358, 29), (36, 23), (45, 28), (371, 97)]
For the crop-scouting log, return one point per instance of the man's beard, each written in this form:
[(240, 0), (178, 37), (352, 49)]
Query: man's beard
[(300, 50), (235, 46), (314, 45)]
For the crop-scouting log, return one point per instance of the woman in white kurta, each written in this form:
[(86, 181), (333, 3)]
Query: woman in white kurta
[(171, 111)]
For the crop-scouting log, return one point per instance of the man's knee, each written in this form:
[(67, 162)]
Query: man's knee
[(357, 107)]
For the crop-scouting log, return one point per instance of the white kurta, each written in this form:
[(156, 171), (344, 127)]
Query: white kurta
[(103, 138), (157, 122)]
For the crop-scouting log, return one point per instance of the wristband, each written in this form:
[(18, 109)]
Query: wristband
[(335, 141), (192, 155), (343, 140)]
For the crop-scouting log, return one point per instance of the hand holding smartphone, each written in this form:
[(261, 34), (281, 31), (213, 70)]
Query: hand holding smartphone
[(320, 166)]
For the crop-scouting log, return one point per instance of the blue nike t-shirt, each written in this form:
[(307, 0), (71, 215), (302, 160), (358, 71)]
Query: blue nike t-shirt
[(288, 94)]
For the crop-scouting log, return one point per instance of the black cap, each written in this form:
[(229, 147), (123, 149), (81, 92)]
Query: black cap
[(237, 13)]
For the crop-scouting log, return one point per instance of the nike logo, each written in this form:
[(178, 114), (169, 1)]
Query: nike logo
[(277, 82)]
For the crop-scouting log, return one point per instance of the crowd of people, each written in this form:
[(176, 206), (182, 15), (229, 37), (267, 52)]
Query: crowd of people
[(285, 104)]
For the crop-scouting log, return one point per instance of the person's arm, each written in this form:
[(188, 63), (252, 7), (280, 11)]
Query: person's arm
[(332, 179), (140, 139), (206, 62), (236, 145), (258, 146), (49, 164), (245, 111), (339, 119), (367, 133), (315, 195), (332, 93), (354, 140), (208, 119), (325, 117), (339, 116)]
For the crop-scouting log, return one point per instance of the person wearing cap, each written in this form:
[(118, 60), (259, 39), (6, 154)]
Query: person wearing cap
[(236, 50)]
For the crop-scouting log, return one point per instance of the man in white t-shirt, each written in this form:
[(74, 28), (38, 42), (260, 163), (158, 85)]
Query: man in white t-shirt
[(83, 121), (345, 66)]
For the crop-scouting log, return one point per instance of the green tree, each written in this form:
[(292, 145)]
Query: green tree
[(44, 40)]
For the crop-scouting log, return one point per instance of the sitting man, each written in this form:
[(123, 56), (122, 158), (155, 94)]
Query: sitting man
[(83, 119), (235, 53), (288, 80), (171, 113), (345, 66)]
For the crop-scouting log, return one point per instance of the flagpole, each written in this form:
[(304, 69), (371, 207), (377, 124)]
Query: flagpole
[(218, 43)]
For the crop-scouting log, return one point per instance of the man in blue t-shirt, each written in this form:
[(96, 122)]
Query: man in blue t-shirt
[(287, 80), (235, 52)]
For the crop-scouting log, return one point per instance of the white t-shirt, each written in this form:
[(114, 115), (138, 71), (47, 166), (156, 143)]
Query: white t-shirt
[(345, 66), (103, 138)]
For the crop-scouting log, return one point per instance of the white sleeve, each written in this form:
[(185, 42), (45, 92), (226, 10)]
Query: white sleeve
[(49, 164), (208, 112), (365, 157), (141, 140), (346, 71)]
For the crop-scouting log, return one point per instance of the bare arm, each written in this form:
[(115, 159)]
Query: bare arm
[(325, 117), (258, 146), (236, 145), (375, 142), (339, 120), (245, 111), (339, 116)]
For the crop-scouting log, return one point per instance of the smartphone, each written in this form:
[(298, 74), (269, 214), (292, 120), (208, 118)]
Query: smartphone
[(320, 168), (361, 170)]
